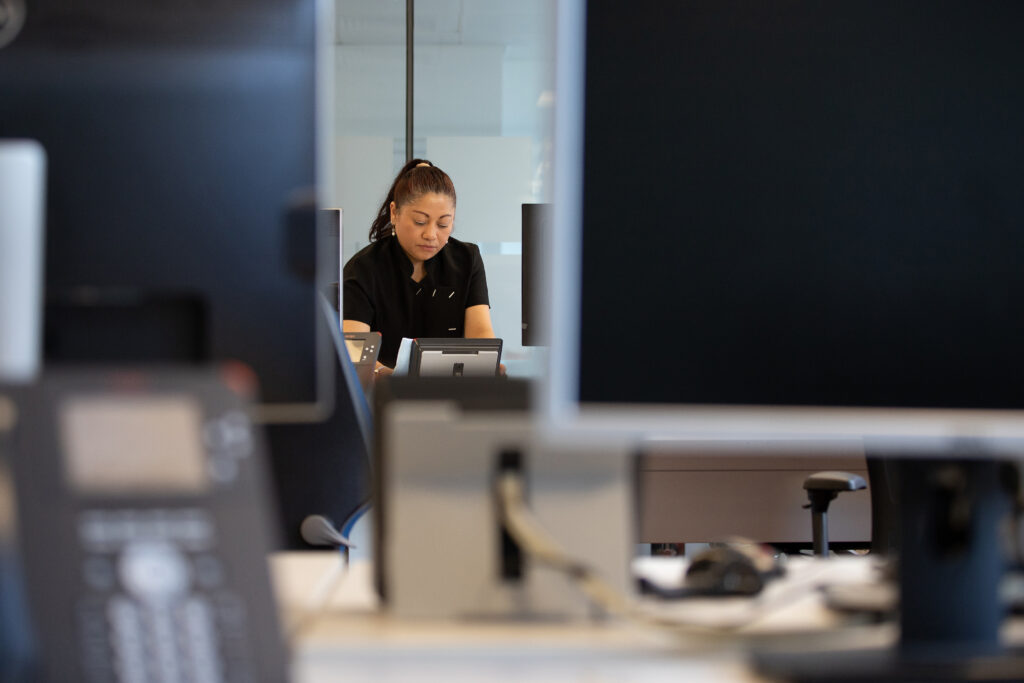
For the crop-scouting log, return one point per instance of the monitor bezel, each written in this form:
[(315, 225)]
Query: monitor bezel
[(563, 416), (322, 405)]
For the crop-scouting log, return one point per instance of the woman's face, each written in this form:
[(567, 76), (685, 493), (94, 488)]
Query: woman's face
[(423, 225)]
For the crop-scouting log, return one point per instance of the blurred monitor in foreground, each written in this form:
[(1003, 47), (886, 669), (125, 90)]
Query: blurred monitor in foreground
[(817, 218), (182, 223), (830, 202), (182, 170)]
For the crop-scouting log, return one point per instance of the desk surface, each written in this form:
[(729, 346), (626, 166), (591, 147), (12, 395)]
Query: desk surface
[(455, 653), (352, 640)]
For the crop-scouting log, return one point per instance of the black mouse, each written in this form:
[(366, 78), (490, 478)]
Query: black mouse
[(723, 571)]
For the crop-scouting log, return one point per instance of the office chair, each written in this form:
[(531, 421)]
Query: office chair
[(822, 488)]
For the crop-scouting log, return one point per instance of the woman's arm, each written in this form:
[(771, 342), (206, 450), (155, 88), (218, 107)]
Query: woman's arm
[(478, 322), (354, 326)]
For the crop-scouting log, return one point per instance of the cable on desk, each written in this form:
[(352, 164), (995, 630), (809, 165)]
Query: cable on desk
[(535, 541)]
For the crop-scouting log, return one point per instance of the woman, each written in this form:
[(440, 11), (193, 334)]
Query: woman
[(414, 279)]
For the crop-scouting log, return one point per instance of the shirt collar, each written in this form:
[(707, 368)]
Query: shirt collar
[(429, 266), (399, 256)]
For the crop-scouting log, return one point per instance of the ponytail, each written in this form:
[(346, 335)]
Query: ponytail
[(417, 177)]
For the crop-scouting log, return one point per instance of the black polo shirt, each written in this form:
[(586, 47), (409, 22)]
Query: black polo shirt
[(378, 290)]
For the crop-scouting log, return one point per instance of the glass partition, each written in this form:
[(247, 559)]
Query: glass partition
[(483, 95)]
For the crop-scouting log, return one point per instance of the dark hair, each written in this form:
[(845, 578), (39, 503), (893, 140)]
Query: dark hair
[(412, 182)]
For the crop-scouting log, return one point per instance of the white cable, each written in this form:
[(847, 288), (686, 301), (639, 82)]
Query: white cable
[(536, 542)]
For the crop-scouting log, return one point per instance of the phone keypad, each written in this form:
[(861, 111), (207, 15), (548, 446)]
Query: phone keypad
[(107, 531), (157, 609)]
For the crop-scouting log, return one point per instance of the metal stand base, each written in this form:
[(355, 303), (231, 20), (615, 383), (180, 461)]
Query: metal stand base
[(950, 561)]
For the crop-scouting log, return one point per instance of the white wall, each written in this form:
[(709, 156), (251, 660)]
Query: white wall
[(492, 180), (363, 173)]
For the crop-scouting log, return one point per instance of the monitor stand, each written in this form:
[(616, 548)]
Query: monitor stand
[(951, 515)]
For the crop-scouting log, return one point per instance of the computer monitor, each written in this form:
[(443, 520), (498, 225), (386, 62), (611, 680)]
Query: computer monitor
[(536, 223), (478, 394), (813, 212), (348, 363), (182, 165), (182, 181), (813, 215), (440, 357), (323, 468)]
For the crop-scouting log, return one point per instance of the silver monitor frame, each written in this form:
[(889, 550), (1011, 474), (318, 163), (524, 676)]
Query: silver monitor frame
[(438, 357), (22, 228)]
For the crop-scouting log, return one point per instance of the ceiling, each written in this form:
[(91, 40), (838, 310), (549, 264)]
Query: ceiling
[(516, 23)]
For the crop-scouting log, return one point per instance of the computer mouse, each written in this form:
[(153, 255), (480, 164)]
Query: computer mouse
[(723, 571)]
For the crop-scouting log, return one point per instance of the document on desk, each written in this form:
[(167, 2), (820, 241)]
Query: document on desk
[(790, 604), (404, 354)]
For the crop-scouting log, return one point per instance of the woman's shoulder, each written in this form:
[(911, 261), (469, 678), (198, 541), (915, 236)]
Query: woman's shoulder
[(462, 250), (367, 257)]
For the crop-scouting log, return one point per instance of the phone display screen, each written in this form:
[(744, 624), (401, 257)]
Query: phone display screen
[(355, 349), (133, 445)]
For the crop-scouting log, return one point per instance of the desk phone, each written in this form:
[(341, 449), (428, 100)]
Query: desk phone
[(363, 349), (143, 520)]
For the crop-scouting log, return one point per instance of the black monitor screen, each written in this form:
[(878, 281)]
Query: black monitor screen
[(804, 203), (180, 144), (536, 222)]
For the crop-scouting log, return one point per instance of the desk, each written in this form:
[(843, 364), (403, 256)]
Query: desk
[(379, 649), (354, 641)]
